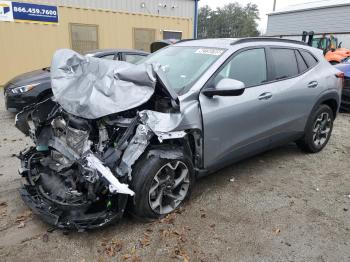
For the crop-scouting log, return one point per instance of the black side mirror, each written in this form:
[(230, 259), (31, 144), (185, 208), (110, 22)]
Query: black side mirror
[(226, 87)]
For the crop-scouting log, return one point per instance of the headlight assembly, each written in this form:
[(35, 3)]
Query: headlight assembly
[(23, 89)]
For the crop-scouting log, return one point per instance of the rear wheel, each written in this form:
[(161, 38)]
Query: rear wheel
[(161, 186), (345, 101), (318, 130)]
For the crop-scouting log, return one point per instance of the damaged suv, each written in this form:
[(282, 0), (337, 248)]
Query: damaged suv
[(118, 136)]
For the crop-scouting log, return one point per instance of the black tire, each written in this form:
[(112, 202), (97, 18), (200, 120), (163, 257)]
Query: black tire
[(143, 176), (307, 143), (345, 103)]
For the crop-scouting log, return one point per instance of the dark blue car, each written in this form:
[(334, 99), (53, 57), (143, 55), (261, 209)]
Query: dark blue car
[(345, 68), (35, 86)]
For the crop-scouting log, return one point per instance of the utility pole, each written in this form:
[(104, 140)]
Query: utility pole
[(274, 5)]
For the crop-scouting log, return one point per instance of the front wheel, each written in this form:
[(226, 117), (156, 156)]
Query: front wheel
[(161, 185), (318, 130)]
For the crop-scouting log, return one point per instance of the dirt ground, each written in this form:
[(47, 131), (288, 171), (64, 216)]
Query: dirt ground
[(283, 205)]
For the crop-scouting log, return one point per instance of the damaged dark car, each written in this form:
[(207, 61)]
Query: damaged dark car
[(119, 137)]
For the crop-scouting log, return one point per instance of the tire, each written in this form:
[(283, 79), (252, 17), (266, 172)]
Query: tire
[(144, 203), (317, 132), (345, 103)]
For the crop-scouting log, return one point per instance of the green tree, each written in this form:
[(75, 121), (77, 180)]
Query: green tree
[(232, 20)]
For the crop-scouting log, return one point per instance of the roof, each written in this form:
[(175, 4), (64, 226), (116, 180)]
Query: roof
[(312, 5), (107, 51), (210, 42), (229, 42)]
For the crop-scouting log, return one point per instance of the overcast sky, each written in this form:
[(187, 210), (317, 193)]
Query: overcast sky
[(265, 6)]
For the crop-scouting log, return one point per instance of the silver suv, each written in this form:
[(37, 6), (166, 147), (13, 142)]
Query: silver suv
[(119, 136)]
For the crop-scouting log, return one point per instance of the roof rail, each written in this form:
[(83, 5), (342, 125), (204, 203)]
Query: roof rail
[(266, 39), (186, 40)]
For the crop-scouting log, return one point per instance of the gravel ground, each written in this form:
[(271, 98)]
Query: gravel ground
[(283, 205)]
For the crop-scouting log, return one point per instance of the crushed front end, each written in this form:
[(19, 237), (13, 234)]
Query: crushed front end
[(90, 134), (75, 175)]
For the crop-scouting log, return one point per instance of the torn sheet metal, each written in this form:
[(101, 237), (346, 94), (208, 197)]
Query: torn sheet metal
[(170, 135), (115, 186), (167, 153), (92, 87), (160, 122), (135, 149)]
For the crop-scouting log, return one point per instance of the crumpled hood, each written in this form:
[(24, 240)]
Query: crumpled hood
[(92, 87), (38, 76)]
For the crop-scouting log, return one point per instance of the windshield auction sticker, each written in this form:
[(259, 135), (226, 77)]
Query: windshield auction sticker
[(209, 51), (27, 12)]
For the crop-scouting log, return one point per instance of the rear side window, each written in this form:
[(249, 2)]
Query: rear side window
[(133, 58), (309, 58), (301, 63), (108, 57), (285, 63), (248, 67)]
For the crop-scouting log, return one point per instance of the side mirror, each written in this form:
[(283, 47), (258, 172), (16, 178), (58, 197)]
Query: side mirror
[(226, 87)]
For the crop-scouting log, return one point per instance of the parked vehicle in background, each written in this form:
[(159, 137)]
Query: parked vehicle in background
[(33, 87), (155, 46), (344, 66), (332, 49), (190, 109)]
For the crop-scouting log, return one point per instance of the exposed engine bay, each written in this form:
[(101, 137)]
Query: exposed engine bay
[(79, 171)]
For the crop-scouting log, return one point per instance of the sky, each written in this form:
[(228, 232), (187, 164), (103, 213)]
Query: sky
[(265, 7)]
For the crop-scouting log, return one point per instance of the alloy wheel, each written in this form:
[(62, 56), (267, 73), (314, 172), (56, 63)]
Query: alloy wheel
[(321, 129), (169, 187)]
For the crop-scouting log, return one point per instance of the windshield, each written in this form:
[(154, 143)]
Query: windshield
[(183, 65)]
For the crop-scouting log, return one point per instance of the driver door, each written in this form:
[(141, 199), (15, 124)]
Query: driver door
[(238, 126)]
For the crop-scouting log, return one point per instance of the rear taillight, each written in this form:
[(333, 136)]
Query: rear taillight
[(341, 75)]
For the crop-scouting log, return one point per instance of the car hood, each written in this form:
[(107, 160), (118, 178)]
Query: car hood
[(92, 88), (37, 76), (345, 68)]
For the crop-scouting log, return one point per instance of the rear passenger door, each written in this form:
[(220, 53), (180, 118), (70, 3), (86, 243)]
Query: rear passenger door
[(294, 88)]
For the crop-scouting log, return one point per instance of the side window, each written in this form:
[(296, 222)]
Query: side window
[(301, 63), (309, 58), (248, 67), (133, 58), (108, 57), (285, 63)]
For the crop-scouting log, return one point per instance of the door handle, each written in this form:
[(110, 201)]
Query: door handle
[(312, 84), (265, 96)]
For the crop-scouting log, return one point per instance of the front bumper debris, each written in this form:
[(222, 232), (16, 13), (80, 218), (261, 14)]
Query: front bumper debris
[(67, 216)]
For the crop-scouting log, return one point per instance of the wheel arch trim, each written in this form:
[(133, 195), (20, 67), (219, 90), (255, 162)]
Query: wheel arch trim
[(328, 98)]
